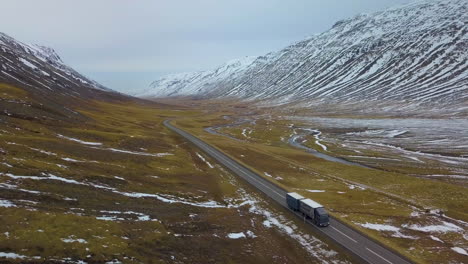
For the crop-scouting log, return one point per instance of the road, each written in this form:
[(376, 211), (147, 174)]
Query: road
[(361, 247)]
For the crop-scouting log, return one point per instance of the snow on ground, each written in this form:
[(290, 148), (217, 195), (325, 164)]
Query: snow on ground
[(445, 227), (139, 153), (6, 203), (352, 187), (204, 160), (14, 187), (236, 235), (379, 133), (168, 199), (460, 250), (71, 160), (370, 157), (11, 255), (43, 177), (247, 234), (95, 144), (44, 152), (80, 141), (165, 198), (112, 216), (313, 245), (27, 63), (464, 177), (380, 227), (316, 191), (396, 231), (72, 240), (6, 164), (246, 131), (436, 239), (250, 234)]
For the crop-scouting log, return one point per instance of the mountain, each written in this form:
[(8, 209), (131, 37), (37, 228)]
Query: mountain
[(193, 83), (413, 54), (36, 84)]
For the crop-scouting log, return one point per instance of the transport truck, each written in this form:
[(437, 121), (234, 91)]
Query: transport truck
[(308, 208)]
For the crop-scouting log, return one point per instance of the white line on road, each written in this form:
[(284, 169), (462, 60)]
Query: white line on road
[(379, 256), (343, 234)]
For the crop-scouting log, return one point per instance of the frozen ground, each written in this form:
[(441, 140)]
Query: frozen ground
[(429, 143)]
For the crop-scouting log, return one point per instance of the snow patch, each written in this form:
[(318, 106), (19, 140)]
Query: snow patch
[(396, 231), (11, 255), (204, 160), (460, 250), (444, 228), (140, 153), (436, 239), (73, 240), (316, 191), (380, 227), (236, 235), (27, 63), (80, 141), (6, 203)]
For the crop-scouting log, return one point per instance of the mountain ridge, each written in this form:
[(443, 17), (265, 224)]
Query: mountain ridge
[(37, 84), (413, 53)]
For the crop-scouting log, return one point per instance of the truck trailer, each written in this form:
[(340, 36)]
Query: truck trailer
[(309, 208), (294, 200)]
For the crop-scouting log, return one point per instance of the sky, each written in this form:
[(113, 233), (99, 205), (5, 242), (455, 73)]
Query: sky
[(125, 44)]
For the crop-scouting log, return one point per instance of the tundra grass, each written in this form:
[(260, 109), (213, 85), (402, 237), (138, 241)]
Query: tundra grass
[(390, 198), (101, 205)]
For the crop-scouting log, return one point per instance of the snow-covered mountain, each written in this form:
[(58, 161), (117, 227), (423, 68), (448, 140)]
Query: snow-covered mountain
[(36, 84), (414, 53), (196, 83), (39, 69)]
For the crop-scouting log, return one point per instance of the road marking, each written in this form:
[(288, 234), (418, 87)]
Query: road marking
[(343, 234), (379, 256)]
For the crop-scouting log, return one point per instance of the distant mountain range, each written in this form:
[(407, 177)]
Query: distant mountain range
[(415, 54)]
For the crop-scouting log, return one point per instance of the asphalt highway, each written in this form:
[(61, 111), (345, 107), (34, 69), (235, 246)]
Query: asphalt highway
[(358, 245)]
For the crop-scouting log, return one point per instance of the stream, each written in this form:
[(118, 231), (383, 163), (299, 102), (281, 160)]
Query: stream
[(294, 140)]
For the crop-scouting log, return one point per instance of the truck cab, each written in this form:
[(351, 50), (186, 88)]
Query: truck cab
[(321, 218)]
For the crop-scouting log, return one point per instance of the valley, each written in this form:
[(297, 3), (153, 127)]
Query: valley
[(390, 197), (120, 187), (346, 146)]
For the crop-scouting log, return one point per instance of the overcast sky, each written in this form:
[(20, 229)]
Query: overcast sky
[(125, 44)]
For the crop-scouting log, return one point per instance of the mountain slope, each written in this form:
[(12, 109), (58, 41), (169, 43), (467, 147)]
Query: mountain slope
[(36, 84), (192, 83), (413, 53)]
